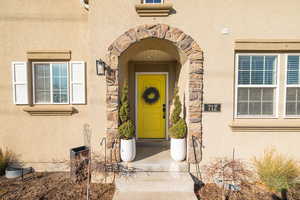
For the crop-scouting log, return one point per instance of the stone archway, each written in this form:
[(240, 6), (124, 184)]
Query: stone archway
[(190, 48)]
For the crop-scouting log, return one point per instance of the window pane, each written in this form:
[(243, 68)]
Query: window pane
[(60, 83), (268, 94), (244, 63), (293, 77), (298, 94), (293, 70), (270, 63), (269, 77), (242, 94), (255, 108), (255, 94), (261, 69), (257, 77), (291, 94), (242, 109), (244, 77), (292, 101), (257, 63), (293, 63), (260, 102), (267, 108), (42, 83), (291, 108)]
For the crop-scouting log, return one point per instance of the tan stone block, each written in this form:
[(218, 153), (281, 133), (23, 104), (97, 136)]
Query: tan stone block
[(112, 88), (163, 30), (112, 124), (195, 108), (196, 68), (123, 42), (132, 34), (195, 76), (195, 104), (111, 78), (142, 32), (185, 44), (195, 84), (114, 99), (196, 55), (196, 47), (112, 116), (194, 126), (113, 50), (112, 107), (153, 30), (193, 96), (195, 113), (173, 34), (113, 61)]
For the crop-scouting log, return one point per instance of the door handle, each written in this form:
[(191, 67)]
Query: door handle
[(164, 111)]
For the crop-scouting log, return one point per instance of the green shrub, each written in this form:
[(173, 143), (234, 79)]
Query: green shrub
[(123, 113), (124, 108), (178, 130), (5, 158), (175, 117), (276, 171), (126, 128)]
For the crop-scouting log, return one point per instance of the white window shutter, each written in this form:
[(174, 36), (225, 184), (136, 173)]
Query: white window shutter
[(20, 83), (77, 84)]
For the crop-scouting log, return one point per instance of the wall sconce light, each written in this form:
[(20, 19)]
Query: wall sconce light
[(100, 67)]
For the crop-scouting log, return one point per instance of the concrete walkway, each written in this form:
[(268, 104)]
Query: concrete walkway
[(155, 186)]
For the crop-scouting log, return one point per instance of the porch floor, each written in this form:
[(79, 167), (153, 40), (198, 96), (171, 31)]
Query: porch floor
[(154, 156)]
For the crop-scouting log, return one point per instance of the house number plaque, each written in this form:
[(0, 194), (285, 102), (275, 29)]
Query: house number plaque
[(212, 107)]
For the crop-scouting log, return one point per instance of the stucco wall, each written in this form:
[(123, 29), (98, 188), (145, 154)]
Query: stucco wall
[(54, 24), (43, 25)]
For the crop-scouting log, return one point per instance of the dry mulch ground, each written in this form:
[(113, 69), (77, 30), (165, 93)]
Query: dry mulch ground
[(54, 186), (248, 192)]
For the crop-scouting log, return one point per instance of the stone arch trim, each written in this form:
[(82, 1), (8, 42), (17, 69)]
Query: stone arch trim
[(190, 48)]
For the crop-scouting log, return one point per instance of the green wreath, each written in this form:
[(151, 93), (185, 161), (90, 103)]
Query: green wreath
[(151, 95)]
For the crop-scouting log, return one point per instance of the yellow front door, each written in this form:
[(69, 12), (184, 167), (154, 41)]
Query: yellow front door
[(151, 108)]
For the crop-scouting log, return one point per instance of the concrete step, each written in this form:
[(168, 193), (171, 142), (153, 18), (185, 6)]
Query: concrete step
[(160, 166), (155, 182), (154, 196), (154, 156)]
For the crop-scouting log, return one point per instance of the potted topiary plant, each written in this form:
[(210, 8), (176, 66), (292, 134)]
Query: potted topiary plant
[(178, 131), (126, 128)]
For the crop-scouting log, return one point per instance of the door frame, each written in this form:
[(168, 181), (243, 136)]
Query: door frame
[(167, 103)]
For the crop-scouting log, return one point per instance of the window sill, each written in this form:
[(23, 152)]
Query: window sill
[(154, 10), (50, 110), (265, 125)]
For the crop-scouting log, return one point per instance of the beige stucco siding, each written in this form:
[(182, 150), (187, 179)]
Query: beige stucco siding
[(65, 25), (41, 25)]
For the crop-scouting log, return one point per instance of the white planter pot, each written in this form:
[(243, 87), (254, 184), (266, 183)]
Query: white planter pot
[(128, 150), (178, 149)]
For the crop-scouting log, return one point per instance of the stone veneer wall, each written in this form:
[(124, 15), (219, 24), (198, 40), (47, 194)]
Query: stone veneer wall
[(184, 43)]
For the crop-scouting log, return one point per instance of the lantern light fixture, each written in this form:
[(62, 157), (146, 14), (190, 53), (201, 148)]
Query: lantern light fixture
[(101, 67)]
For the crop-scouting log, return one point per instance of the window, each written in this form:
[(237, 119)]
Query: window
[(153, 1), (292, 107), (50, 83), (256, 85)]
